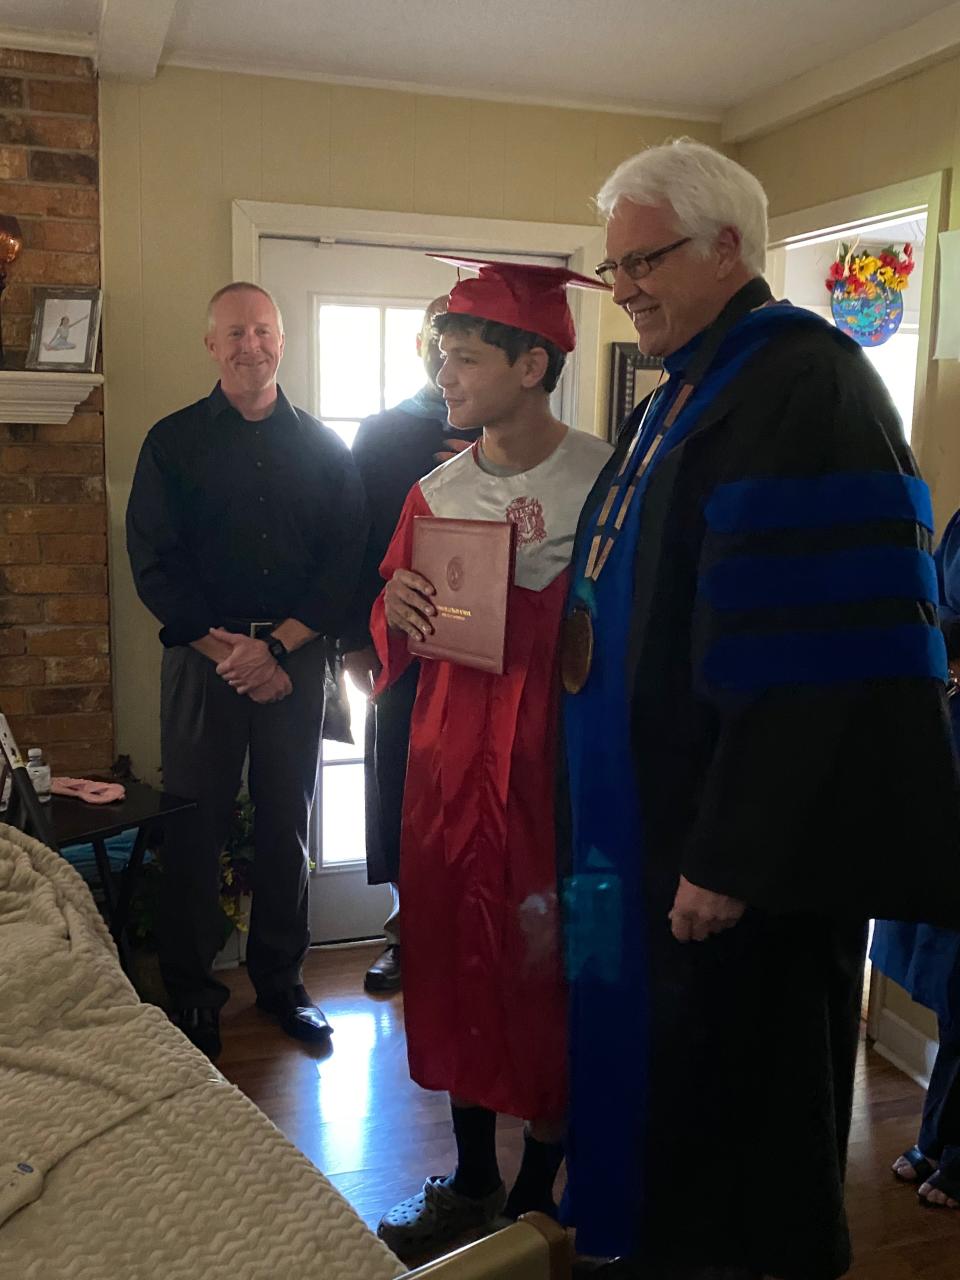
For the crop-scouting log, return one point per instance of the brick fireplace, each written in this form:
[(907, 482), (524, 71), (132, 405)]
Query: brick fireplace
[(55, 685)]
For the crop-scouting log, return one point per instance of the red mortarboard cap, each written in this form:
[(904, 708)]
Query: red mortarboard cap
[(522, 294)]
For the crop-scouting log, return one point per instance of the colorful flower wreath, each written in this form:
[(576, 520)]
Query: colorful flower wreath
[(864, 274)]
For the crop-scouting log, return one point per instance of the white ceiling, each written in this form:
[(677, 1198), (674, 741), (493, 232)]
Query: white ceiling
[(695, 58), (689, 55)]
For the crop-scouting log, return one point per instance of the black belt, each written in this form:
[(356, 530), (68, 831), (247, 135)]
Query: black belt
[(256, 628)]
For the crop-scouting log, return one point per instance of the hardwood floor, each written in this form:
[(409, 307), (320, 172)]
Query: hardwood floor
[(355, 1113)]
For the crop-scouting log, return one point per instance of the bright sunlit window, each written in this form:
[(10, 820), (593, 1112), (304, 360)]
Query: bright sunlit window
[(366, 361)]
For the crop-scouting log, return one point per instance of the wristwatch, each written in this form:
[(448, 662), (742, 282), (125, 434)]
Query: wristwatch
[(278, 650)]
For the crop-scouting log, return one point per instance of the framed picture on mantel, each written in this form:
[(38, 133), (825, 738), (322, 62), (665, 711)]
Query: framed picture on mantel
[(66, 326), (625, 363)]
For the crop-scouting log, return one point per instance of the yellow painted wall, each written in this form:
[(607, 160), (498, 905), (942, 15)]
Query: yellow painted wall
[(900, 131), (177, 151)]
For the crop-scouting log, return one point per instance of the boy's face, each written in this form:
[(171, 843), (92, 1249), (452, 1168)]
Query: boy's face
[(478, 382)]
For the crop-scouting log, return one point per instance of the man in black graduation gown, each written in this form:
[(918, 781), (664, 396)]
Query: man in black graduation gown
[(758, 756), (392, 451)]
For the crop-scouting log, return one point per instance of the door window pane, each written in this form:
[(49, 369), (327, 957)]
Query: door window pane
[(349, 361), (345, 430), (343, 837), (403, 369)]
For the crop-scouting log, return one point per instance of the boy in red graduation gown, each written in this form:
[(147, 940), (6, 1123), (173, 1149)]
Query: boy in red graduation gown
[(485, 1005)]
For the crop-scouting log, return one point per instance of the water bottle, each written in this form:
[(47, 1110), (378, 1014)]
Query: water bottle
[(39, 772)]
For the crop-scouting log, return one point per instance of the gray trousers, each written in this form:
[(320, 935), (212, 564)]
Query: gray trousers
[(206, 733)]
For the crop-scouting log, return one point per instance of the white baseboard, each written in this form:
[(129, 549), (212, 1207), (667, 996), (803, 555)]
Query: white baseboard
[(908, 1049), (234, 953)]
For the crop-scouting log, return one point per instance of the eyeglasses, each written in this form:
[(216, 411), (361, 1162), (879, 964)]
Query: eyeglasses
[(637, 265)]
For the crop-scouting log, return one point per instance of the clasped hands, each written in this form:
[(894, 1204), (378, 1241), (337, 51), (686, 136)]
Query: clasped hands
[(250, 668)]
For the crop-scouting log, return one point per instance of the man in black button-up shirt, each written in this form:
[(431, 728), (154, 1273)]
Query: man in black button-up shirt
[(245, 528)]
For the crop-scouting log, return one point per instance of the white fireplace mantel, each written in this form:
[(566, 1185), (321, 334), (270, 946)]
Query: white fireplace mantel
[(26, 396)]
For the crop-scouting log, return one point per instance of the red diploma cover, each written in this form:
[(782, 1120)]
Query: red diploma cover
[(470, 564)]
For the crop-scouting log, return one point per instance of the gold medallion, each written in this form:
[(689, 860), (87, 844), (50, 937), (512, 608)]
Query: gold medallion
[(576, 649)]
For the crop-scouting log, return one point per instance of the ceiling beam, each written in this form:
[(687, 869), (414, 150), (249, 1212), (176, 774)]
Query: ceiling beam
[(81, 44), (932, 39), (132, 36)]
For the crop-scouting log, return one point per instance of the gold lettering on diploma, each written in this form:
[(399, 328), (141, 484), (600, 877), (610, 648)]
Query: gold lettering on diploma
[(455, 615)]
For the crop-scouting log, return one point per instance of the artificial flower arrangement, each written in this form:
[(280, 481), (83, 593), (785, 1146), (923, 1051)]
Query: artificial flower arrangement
[(865, 274), (865, 291)]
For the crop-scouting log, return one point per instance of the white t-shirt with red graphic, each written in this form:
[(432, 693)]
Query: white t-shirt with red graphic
[(544, 502)]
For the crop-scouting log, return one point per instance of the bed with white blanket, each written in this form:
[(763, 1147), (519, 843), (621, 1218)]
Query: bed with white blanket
[(126, 1155)]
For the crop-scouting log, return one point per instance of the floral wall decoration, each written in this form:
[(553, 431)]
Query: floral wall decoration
[(866, 289)]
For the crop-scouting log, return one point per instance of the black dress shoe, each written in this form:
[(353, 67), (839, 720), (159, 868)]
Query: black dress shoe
[(201, 1027), (297, 1014), (384, 974)]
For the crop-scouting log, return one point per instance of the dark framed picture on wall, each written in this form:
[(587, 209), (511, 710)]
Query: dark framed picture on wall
[(625, 362), (66, 326)]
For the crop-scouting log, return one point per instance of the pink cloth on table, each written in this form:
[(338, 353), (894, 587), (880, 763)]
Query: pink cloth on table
[(87, 790)]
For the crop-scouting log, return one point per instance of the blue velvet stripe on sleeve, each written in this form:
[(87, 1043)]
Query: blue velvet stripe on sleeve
[(751, 662), (785, 607), (842, 498), (839, 577)]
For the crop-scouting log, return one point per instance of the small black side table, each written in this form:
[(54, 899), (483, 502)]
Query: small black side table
[(144, 808)]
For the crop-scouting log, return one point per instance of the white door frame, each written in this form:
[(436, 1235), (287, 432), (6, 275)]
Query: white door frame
[(582, 245), (922, 195)]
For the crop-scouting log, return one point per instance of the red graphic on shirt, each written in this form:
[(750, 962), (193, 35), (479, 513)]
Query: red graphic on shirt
[(527, 515)]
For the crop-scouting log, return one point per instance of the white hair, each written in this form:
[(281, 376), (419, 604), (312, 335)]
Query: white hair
[(706, 190)]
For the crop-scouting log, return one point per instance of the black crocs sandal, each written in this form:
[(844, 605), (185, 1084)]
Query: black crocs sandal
[(918, 1162), (945, 1180)]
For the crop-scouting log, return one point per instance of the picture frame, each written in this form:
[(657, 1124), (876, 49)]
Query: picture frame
[(625, 361), (65, 330)]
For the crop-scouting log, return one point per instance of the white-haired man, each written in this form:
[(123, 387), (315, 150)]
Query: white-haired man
[(755, 739), (245, 528)]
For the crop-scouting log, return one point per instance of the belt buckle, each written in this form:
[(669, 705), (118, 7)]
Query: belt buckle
[(257, 627)]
